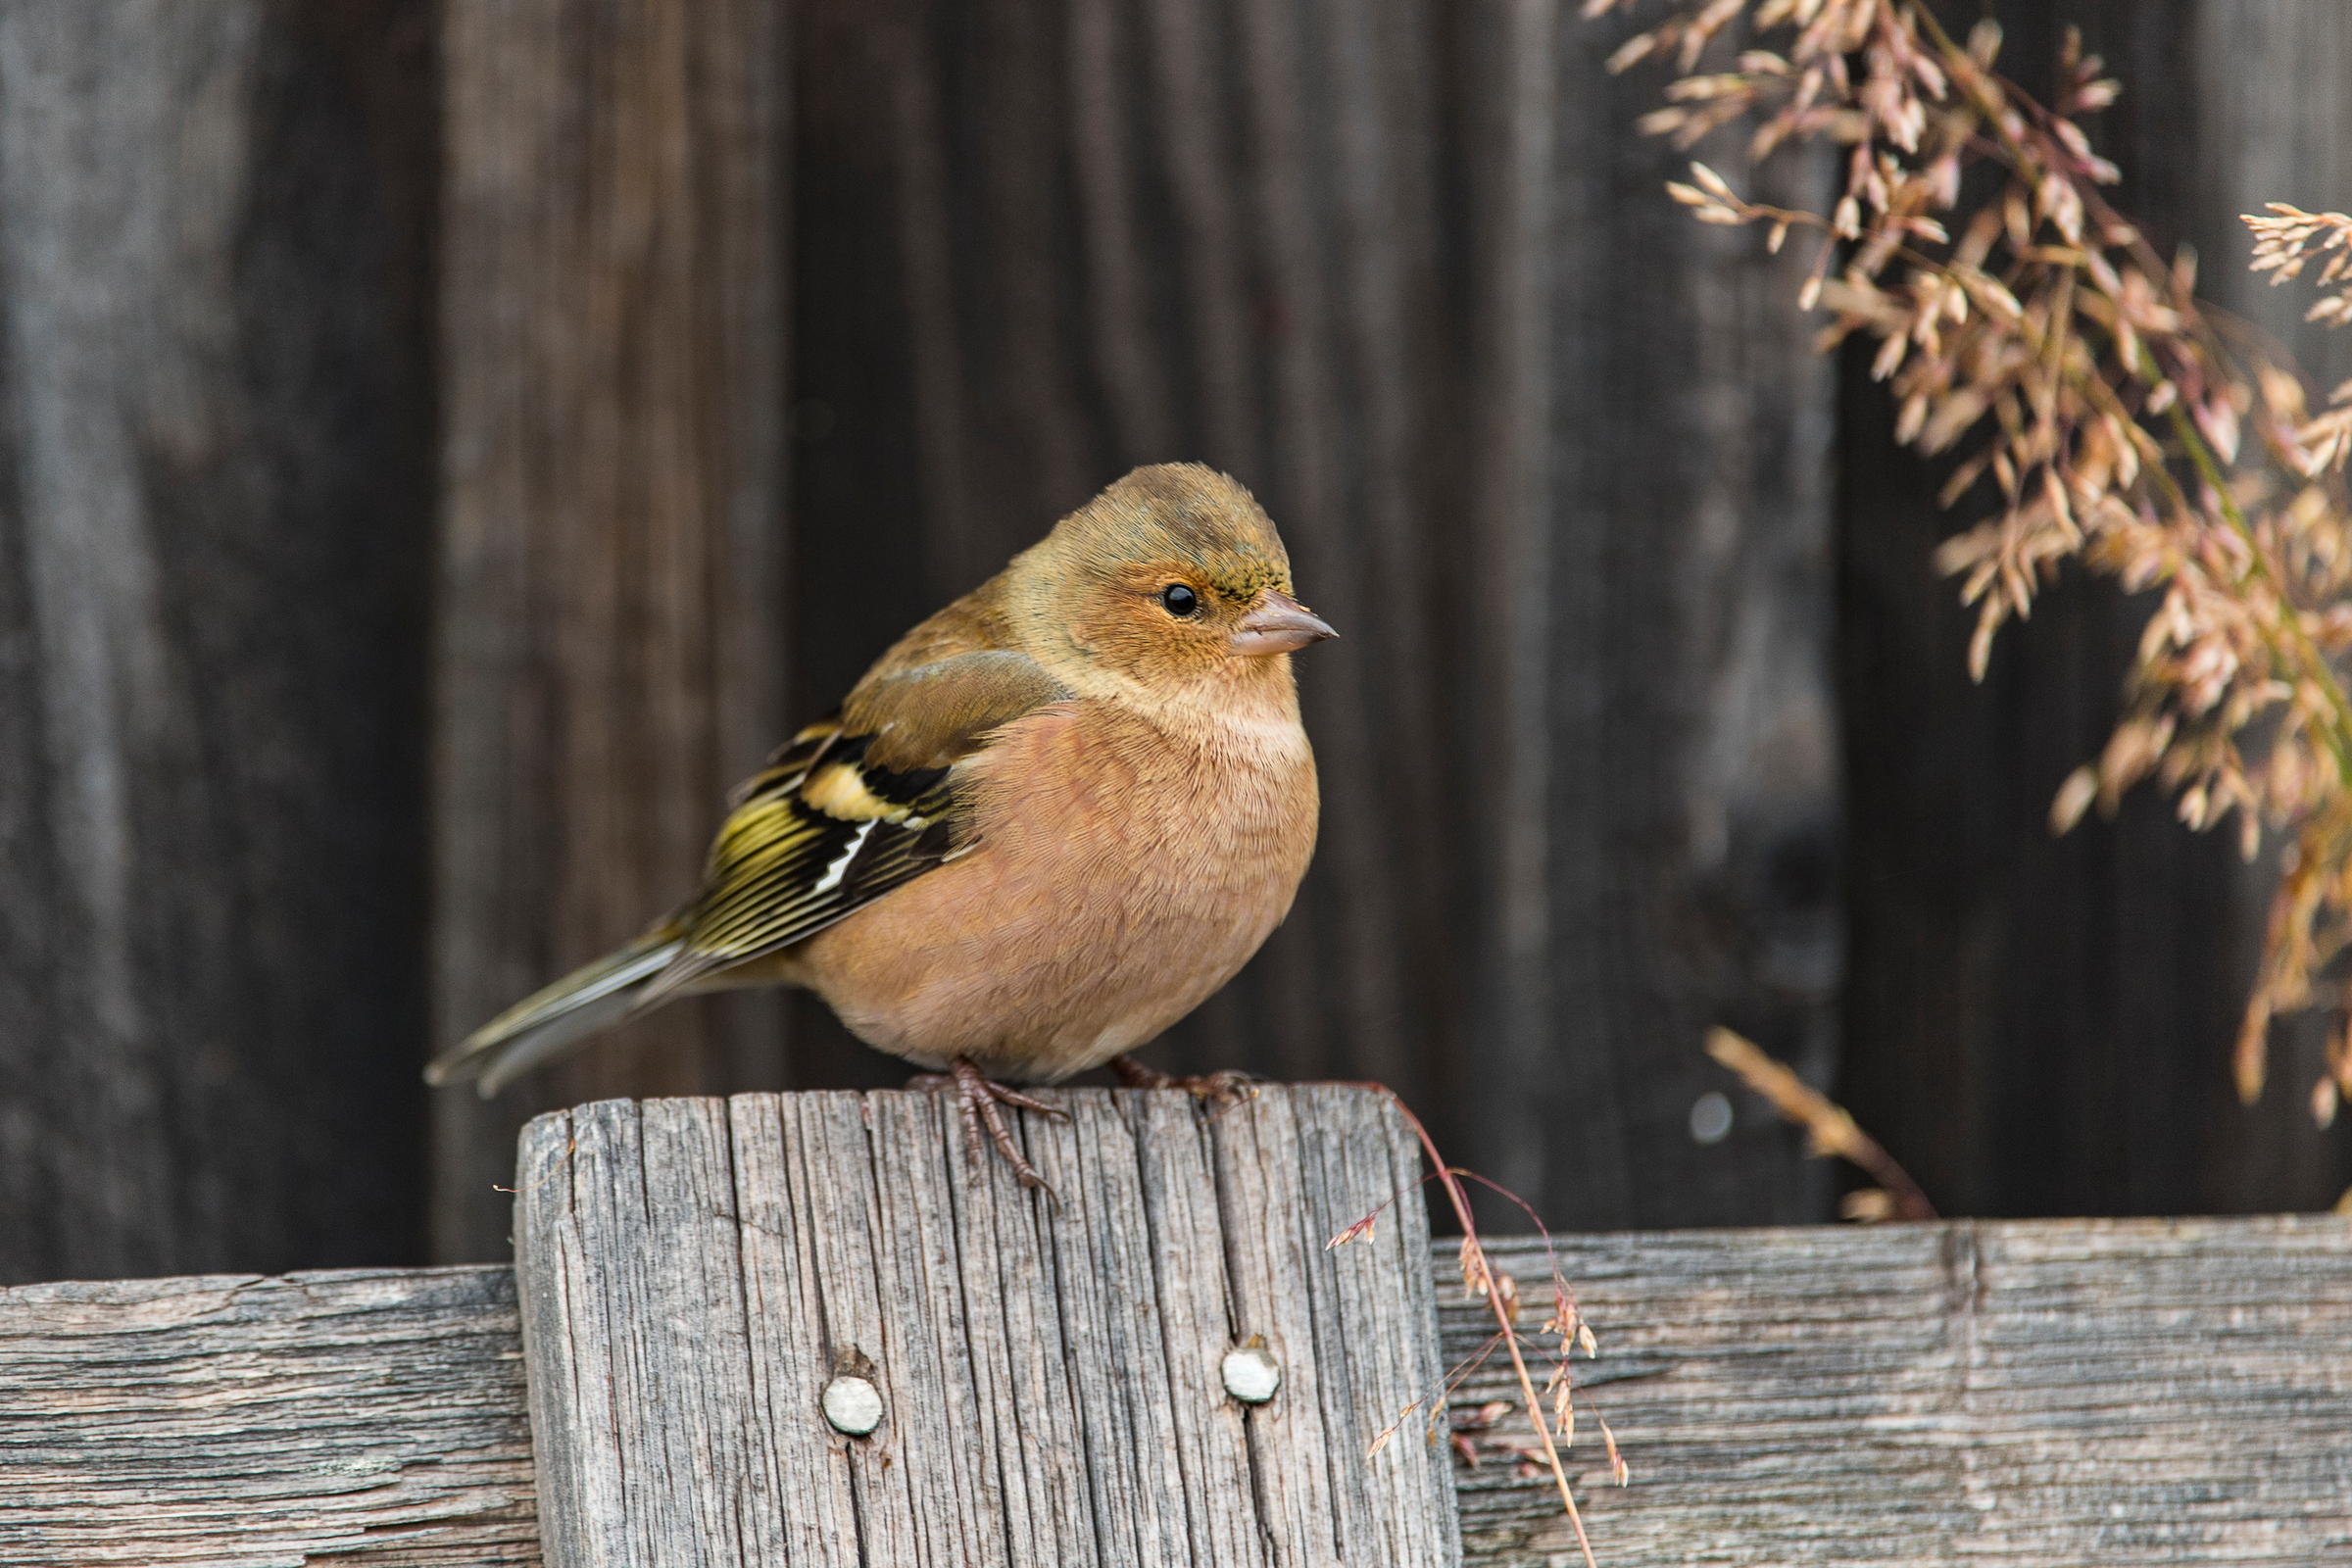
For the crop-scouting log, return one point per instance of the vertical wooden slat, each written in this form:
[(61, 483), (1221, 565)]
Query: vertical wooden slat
[(1016, 1325), (2272, 86), (610, 655), (1103, 122), (917, 129), (215, 492), (1259, 1173), (1506, 699), (1356, 1162), (1209, 1434), (836, 1195), (961, 1500), (1018, 108), (1667, 649), (1106, 1292), (790, 1354), (1379, 246), (1194, 125), (703, 1484)]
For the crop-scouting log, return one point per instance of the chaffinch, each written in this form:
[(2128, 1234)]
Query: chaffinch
[(1048, 824)]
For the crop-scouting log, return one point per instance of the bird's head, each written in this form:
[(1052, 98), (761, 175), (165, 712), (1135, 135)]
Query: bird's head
[(1173, 576)]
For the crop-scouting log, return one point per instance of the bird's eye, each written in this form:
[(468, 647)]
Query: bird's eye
[(1181, 601)]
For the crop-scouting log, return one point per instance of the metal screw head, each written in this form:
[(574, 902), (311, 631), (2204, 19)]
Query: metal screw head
[(853, 1406), (1711, 1117), (1251, 1374)]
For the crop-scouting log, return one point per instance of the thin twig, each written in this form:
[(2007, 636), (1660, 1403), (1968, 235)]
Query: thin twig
[(1503, 1315), (1830, 1127)]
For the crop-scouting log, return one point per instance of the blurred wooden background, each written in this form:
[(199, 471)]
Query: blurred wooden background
[(442, 446)]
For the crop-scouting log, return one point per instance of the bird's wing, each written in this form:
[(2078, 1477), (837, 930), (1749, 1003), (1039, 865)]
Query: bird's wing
[(852, 807)]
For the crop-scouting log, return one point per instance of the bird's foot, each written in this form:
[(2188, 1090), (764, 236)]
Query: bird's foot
[(1226, 1088), (977, 1097)]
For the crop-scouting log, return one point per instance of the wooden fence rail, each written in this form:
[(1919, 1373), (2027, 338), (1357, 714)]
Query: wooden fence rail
[(2001, 1392)]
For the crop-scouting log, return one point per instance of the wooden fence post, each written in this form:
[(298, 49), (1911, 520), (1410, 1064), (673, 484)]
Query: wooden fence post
[(696, 1274)]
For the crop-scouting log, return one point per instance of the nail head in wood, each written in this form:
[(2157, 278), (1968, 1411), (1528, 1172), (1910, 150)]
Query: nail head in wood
[(1251, 1374), (853, 1406)]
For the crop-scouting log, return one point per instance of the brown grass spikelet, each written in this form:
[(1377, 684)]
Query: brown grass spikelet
[(1867, 1206), (1382, 1438), (2089, 408), (2289, 238), (1622, 1472)]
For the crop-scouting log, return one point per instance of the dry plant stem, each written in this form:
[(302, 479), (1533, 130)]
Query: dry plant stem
[(1503, 1317), (1830, 1127)]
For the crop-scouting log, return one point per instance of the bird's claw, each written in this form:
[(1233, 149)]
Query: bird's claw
[(977, 1097), (1228, 1087)]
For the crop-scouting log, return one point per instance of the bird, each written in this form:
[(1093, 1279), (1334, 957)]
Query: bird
[(1050, 822)]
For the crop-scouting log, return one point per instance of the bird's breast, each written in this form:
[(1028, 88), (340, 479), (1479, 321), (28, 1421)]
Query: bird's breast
[(1126, 866)]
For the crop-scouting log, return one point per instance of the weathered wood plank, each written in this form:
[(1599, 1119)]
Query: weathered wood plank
[(699, 1483), (918, 1243), (374, 1418), (1257, 1162), (1110, 1297), (789, 1368), (1031, 1380), (1210, 1433), (1412, 1515), (2028, 1394)]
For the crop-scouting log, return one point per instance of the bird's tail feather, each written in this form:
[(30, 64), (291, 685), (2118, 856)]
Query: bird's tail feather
[(550, 1022)]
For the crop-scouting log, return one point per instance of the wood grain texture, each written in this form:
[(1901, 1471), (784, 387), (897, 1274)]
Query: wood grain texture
[(2006, 1393), (695, 1272), (609, 608), (2038, 1025), (1662, 814), (2030, 1394), (215, 539), (373, 1419), (1553, 459)]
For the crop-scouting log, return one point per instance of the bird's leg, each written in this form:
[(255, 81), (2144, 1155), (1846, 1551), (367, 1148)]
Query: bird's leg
[(976, 1099), (1227, 1088)]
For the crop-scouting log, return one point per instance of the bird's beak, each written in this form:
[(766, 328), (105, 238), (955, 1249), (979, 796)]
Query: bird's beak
[(1276, 624)]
